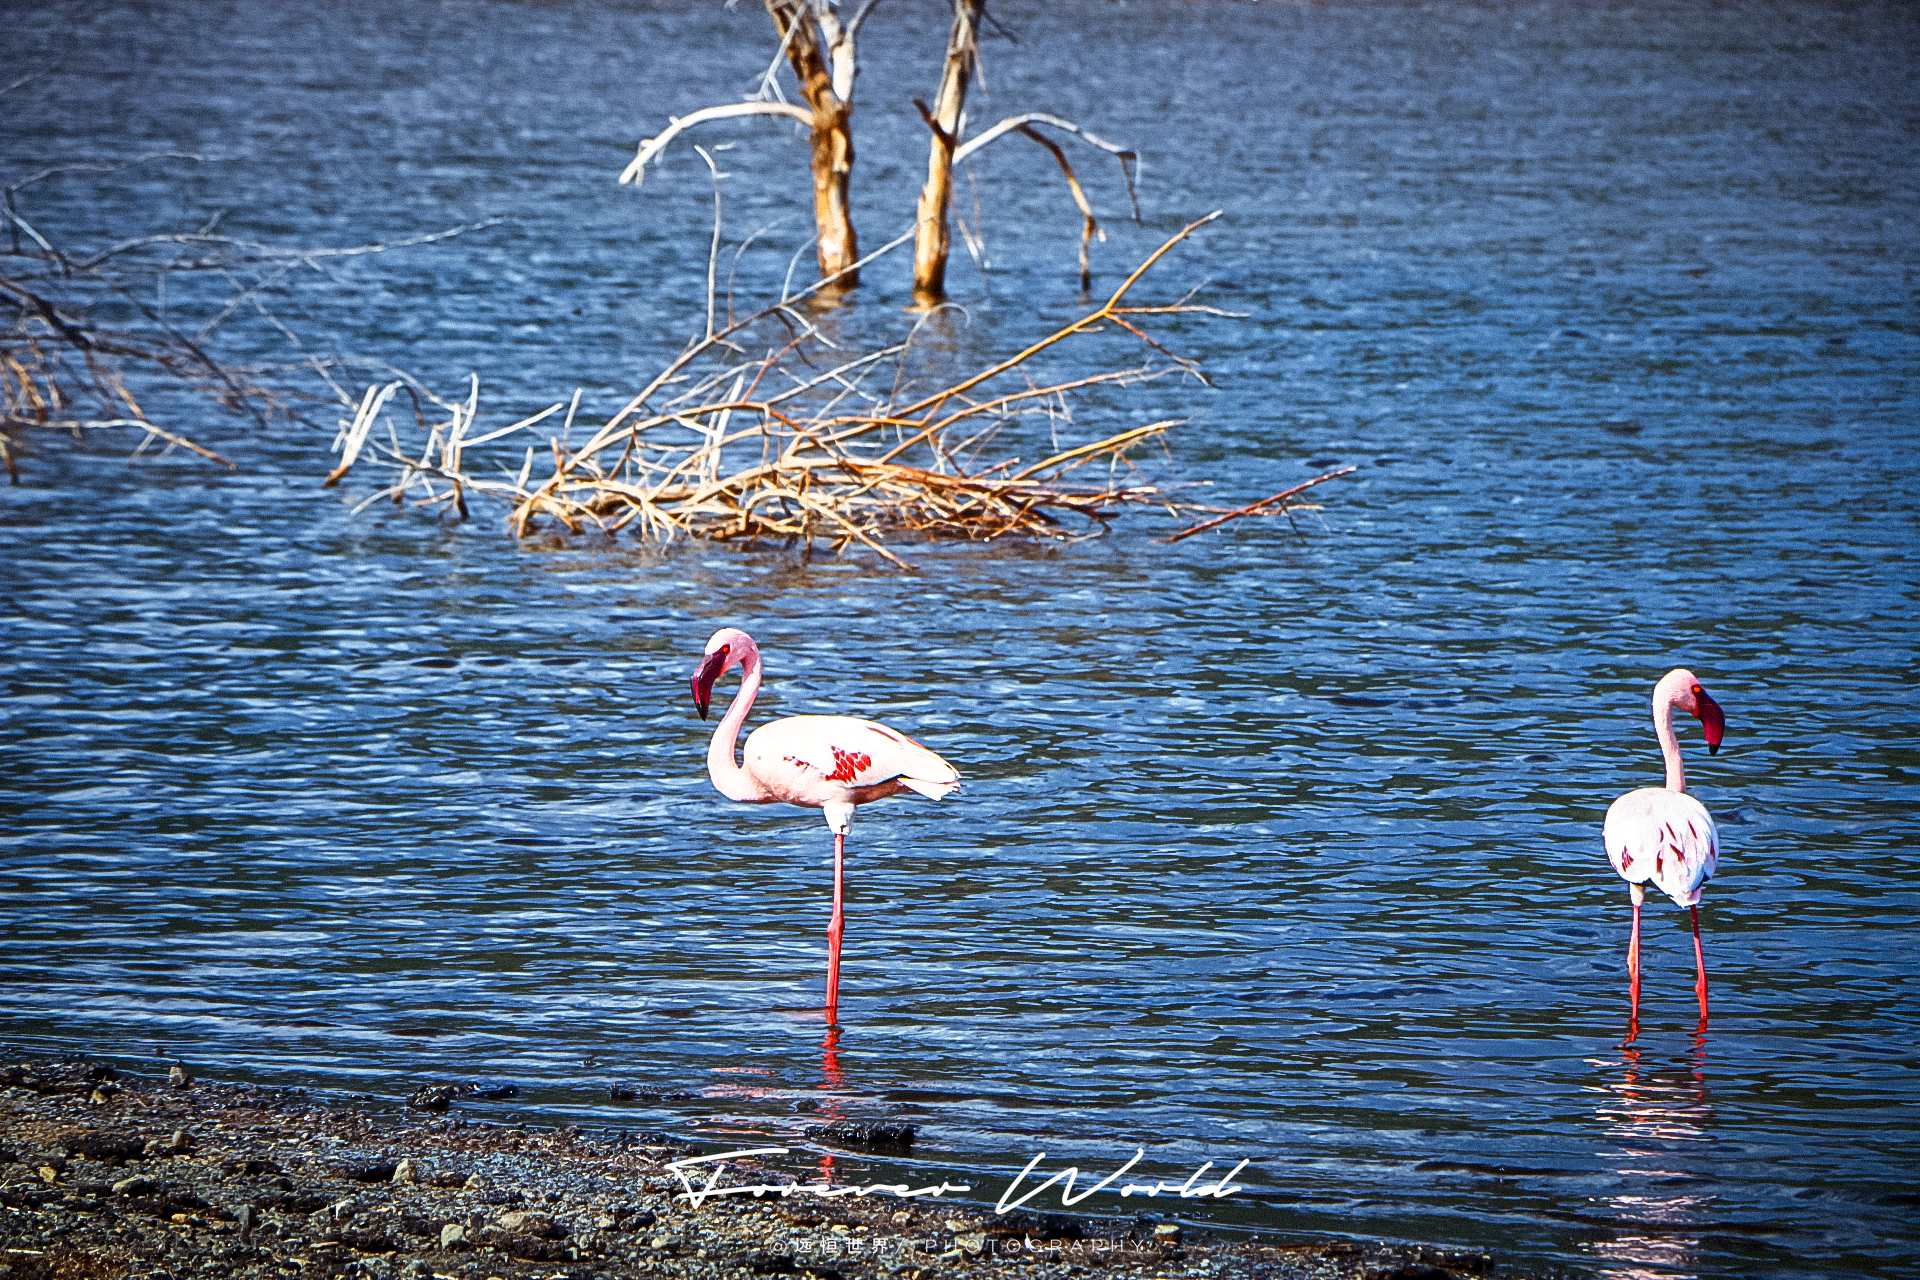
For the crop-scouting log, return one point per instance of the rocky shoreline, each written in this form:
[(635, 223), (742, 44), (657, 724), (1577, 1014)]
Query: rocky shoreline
[(103, 1174)]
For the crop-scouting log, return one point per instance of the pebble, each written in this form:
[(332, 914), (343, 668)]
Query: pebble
[(178, 1077), (531, 1223), (136, 1186), (406, 1172)]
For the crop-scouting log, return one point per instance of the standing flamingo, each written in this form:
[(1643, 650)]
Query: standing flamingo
[(1663, 834), (830, 763)]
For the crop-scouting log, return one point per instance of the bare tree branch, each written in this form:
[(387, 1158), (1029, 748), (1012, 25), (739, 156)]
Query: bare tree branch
[(859, 17), (1254, 508), (1129, 160), (1092, 227), (636, 169)]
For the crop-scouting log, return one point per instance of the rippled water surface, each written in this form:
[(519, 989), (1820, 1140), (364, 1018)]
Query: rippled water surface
[(1273, 846)]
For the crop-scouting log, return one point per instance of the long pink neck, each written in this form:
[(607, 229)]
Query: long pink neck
[(732, 781), (1669, 746)]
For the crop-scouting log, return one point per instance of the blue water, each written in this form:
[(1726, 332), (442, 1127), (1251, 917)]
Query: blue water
[(1273, 845)]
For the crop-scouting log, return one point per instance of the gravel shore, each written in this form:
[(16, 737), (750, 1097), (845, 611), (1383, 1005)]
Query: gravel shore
[(104, 1174)]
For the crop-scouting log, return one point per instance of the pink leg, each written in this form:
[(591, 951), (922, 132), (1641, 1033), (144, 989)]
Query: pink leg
[(835, 927), (1633, 957), (1699, 965)]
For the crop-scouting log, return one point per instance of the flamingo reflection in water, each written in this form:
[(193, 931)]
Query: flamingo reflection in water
[(1653, 1117)]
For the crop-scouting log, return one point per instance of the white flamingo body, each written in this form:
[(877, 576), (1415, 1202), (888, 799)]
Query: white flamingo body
[(827, 762), (830, 763), (1663, 838)]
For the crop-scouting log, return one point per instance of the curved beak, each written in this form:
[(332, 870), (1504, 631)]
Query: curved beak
[(1713, 721), (709, 670)]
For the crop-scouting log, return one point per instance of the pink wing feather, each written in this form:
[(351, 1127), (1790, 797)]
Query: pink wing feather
[(820, 759), (1664, 837)]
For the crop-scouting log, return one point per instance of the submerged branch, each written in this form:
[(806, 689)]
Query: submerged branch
[(1257, 508)]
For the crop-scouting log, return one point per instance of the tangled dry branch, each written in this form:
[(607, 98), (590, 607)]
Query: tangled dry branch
[(87, 324), (780, 447)]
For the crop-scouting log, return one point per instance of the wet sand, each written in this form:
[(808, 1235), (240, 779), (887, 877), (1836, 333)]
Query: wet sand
[(106, 1174)]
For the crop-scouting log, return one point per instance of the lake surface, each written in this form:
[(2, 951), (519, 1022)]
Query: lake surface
[(1278, 846)]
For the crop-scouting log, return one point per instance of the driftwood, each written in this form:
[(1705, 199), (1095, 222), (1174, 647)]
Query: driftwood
[(796, 445), (63, 370), (1258, 508)]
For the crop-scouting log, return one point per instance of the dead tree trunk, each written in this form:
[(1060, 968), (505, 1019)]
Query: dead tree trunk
[(932, 238), (820, 48), (945, 119), (825, 77)]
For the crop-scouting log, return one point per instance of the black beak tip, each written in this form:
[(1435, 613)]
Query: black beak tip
[(1713, 748)]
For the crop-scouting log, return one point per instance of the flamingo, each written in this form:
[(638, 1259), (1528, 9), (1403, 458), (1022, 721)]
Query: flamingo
[(1664, 835), (831, 763)]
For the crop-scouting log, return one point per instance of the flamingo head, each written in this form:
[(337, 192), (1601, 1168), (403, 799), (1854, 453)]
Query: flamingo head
[(729, 647), (1684, 691)]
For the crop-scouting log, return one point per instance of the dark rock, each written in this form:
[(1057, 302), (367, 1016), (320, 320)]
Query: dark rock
[(111, 1148), (620, 1093), (302, 1203), (376, 1172), (773, 1265), (534, 1249), (652, 1142), (438, 1097), (885, 1134), (434, 1097), (252, 1166), (364, 1241)]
